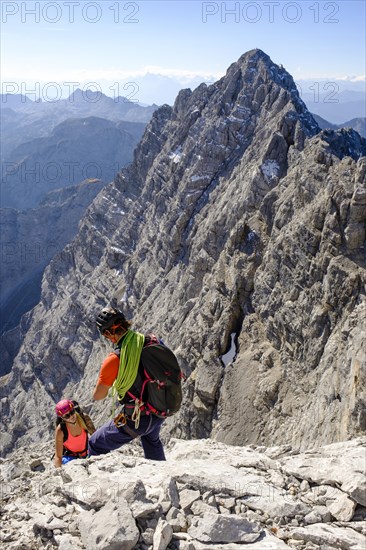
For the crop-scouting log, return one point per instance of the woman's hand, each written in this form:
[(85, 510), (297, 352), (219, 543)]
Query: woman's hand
[(59, 446)]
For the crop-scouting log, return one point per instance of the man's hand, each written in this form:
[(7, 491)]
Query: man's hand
[(100, 392)]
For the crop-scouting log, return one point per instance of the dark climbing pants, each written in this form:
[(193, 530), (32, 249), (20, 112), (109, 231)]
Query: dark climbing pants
[(109, 437)]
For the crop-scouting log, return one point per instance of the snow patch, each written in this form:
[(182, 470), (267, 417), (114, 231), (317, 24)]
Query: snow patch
[(117, 250), (230, 355), (198, 178), (195, 192), (176, 155), (270, 169), (233, 118), (242, 109)]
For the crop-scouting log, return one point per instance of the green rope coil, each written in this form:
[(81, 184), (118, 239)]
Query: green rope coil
[(129, 363)]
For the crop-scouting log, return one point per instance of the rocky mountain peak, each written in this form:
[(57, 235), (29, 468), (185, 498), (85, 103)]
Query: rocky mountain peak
[(256, 61), (80, 95), (252, 83)]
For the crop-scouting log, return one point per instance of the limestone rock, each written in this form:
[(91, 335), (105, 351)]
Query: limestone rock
[(116, 503), (334, 467), (92, 492), (187, 497), (170, 492), (215, 528), (343, 508), (111, 527), (67, 542), (318, 514), (265, 542), (199, 508), (144, 509), (277, 505), (134, 491), (49, 524), (331, 536), (355, 486), (162, 536)]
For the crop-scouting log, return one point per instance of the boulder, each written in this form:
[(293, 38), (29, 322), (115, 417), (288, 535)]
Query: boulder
[(110, 528), (342, 508), (340, 464), (215, 528), (330, 536), (163, 535)]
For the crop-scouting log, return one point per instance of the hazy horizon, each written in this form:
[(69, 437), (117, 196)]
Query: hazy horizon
[(132, 49)]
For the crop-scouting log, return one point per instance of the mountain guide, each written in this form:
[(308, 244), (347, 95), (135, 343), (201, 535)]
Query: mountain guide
[(145, 376), (72, 430)]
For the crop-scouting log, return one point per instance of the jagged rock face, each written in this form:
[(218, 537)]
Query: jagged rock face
[(236, 216), (29, 240), (301, 360)]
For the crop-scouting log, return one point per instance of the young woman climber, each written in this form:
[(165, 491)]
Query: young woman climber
[(72, 432)]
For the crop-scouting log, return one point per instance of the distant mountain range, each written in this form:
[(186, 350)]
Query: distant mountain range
[(50, 145), (79, 103), (358, 124), (164, 88), (75, 150), (338, 112), (47, 149), (24, 119), (328, 101)]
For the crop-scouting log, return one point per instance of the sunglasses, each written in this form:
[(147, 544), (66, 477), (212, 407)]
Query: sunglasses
[(111, 330), (67, 415)]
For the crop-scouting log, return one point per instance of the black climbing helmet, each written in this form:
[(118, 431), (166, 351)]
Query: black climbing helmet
[(109, 317)]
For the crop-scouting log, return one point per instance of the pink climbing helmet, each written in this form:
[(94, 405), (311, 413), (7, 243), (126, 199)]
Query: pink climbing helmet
[(64, 406)]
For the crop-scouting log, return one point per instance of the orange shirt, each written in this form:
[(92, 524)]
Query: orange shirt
[(109, 370), (76, 443)]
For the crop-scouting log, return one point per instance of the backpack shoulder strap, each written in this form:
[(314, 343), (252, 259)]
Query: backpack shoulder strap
[(63, 427), (150, 339)]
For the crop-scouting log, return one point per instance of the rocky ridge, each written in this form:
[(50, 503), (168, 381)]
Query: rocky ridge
[(206, 495), (237, 221)]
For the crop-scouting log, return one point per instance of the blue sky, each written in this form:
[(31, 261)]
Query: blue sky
[(114, 42)]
